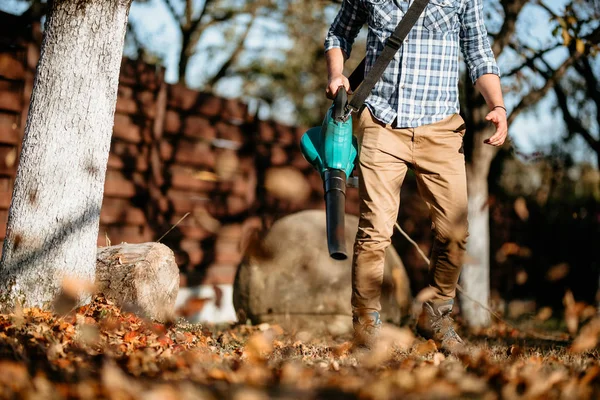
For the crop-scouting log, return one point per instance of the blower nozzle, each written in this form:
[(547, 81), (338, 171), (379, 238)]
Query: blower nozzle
[(332, 149)]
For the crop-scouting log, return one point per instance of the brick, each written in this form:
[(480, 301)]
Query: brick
[(199, 127), (230, 233), (117, 212), (237, 205), (126, 129), (194, 232), (172, 122), (184, 201), (286, 136), (190, 179), (209, 105), (140, 74), (3, 222), (6, 189), (182, 98), (9, 134), (33, 56), (125, 92), (8, 160), (128, 156), (229, 132), (12, 65), (126, 105), (124, 233), (266, 131), (278, 156), (118, 185), (191, 251), (139, 164), (197, 154), (220, 274), (11, 95), (234, 111)]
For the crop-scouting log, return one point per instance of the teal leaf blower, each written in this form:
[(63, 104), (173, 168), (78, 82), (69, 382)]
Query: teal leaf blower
[(331, 149)]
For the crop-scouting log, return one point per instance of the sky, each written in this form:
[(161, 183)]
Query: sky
[(532, 131)]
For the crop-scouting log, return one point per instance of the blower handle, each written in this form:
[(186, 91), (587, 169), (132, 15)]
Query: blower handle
[(339, 105)]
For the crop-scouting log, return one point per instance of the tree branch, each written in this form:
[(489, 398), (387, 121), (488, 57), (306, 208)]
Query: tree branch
[(573, 124), (536, 94), (173, 13), (529, 62), (233, 58), (512, 8)]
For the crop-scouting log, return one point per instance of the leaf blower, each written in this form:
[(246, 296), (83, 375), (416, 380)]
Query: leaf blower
[(331, 149)]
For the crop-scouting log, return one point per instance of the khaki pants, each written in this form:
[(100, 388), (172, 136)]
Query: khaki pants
[(435, 154)]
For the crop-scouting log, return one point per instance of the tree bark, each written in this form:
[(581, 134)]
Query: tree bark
[(475, 276), (54, 216)]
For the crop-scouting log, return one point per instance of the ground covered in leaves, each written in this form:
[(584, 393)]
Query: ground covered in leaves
[(98, 351)]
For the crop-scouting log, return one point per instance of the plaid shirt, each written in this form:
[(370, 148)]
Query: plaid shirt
[(420, 85)]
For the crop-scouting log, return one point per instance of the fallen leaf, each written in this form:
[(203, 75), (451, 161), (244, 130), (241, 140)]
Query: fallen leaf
[(557, 272), (544, 314), (521, 210), (424, 348), (587, 338)]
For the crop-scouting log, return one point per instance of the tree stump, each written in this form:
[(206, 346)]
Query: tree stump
[(143, 277), (287, 277)]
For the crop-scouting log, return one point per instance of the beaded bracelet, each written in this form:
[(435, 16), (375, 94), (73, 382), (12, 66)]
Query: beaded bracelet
[(502, 107)]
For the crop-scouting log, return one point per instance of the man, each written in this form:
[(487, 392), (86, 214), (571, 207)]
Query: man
[(411, 120)]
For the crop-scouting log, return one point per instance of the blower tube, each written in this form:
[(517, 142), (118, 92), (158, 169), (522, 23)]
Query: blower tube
[(334, 182)]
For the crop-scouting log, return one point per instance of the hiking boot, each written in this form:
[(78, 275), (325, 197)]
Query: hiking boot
[(435, 323), (366, 328)]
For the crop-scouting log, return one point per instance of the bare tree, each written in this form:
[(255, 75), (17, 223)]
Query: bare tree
[(53, 219), (475, 278), (195, 19)]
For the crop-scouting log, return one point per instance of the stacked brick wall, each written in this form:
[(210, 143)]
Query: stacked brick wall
[(178, 157), (18, 59)]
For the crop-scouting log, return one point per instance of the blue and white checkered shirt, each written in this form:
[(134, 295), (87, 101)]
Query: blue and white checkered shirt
[(420, 85)]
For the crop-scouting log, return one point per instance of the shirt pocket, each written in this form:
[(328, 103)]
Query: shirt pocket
[(381, 13), (441, 16)]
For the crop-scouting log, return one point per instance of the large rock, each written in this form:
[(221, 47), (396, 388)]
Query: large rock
[(141, 277), (287, 277)]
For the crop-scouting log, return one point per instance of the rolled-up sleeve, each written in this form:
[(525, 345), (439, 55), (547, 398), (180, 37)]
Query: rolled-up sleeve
[(475, 44), (346, 26)]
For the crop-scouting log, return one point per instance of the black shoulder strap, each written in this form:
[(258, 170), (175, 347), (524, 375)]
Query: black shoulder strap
[(391, 47)]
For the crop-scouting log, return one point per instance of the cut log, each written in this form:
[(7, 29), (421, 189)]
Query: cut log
[(141, 277)]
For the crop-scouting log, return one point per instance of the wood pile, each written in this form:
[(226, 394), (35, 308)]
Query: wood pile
[(178, 156)]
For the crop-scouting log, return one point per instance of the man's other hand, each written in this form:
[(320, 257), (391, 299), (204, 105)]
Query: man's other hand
[(498, 117), (334, 84)]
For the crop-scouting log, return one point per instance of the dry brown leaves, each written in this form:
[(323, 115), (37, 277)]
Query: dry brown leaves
[(100, 351)]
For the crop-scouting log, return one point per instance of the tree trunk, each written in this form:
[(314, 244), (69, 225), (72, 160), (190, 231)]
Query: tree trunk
[(184, 55), (475, 276), (54, 216)]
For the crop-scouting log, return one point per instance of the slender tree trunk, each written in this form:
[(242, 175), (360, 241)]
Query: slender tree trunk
[(475, 276), (53, 219), (184, 55)]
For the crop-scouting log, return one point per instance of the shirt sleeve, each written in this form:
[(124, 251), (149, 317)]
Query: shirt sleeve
[(346, 26), (474, 41)]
